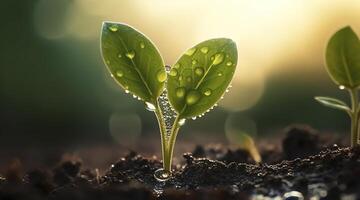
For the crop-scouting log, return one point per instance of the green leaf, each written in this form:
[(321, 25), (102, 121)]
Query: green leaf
[(133, 60), (343, 58), (333, 103), (201, 76)]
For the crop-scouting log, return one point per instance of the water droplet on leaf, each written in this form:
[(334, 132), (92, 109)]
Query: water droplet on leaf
[(341, 87), (188, 79), (229, 63), (119, 73), (219, 58), (219, 73), (193, 118), (161, 76), (113, 28), (180, 92), (192, 97), (199, 71), (191, 51), (173, 72), (208, 92), (150, 106), (142, 45), (182, 122), (193, 62), (130, 54), (204, 50)]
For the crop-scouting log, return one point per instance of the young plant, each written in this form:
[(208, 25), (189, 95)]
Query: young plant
[(343, 65), (192, 86)]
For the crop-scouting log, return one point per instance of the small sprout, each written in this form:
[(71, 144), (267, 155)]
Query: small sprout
[(343, 65), (190, 88)]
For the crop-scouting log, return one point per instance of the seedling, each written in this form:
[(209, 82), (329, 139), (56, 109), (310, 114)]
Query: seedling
[(190, 88), (343, 65)]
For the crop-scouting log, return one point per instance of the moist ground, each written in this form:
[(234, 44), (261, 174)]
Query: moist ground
[(307, 167)]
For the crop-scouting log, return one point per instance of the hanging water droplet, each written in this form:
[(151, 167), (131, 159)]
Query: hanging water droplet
[(112, 76), (119, 73), (134, 96), (204, 50), (208, 92), (180, 92), (177, 65), (142, 45), (150, 106), (193, 118), (162, 175), (227, 90), (192, 97), (341, 87), (130, 54), (191, 51), (126, 91), (199, 71), (161, 76), (182, 122), (229, 63), (173, 72), (219, 73), (219, 57), (113, 28), (193, 62)]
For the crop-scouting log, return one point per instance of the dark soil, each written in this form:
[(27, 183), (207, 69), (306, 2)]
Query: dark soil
[(307, 167)]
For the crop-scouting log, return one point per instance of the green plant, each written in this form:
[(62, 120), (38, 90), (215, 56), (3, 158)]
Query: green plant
[(192, 86), (343, 65)]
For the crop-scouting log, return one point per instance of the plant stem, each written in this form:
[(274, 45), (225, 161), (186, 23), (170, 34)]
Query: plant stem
[(354, 116), (162, 127), (171, 143)]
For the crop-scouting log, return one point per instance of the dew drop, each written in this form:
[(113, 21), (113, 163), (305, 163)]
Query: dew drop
[(173, 72), (199, 71), (150, 106), (113, 28), (219, 73), (204, 50), (161, 76), (229, 63), (212, 58), (188, 79), (191, 51), (180, 92), (130, 54), (219, 58), (142, 45), (192, 97), (193, 118), (341, 87), (208, 92), (182, 122), (126, 91), (193, 62), (119, 73), (162, 175), (126, 87)]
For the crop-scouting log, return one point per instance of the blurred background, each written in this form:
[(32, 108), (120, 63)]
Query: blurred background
[(55, 91)]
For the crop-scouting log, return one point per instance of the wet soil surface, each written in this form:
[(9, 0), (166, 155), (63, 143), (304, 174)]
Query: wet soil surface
[(307, 168)]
